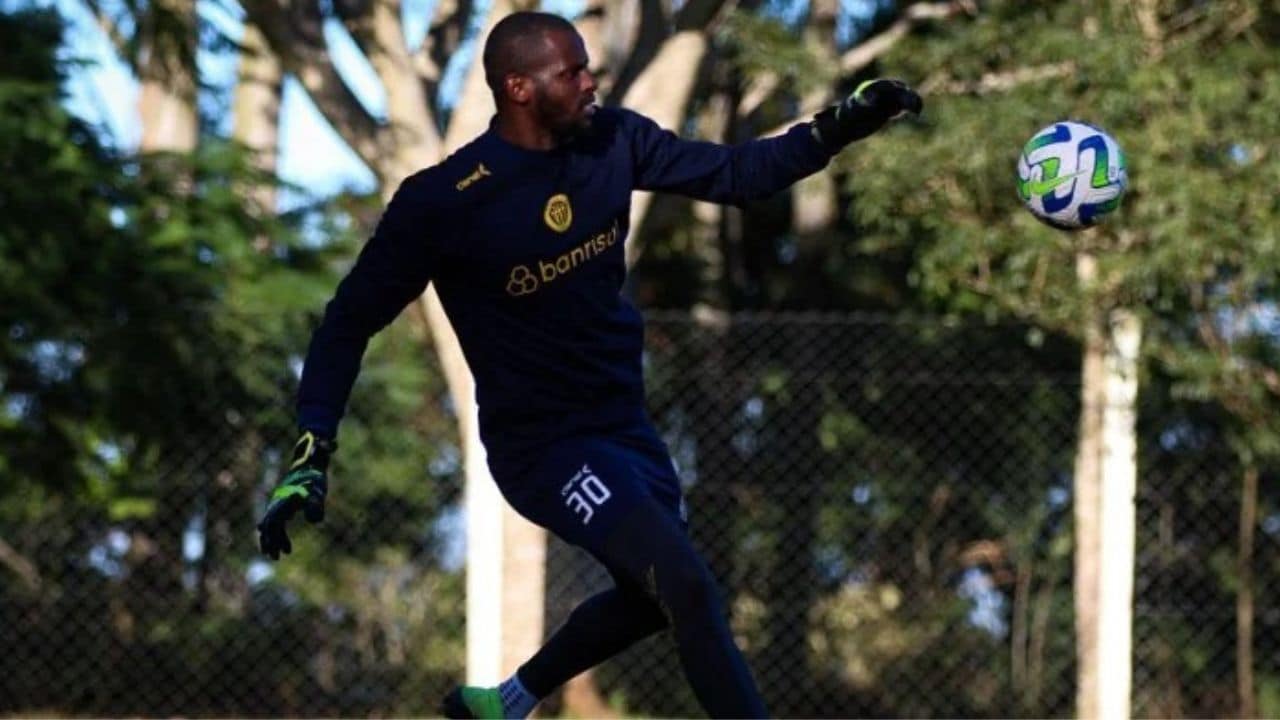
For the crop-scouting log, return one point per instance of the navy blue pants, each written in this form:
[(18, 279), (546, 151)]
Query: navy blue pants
[(617, 496)]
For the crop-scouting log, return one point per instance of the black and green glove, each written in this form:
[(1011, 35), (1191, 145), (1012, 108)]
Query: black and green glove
[(303, 487), (866, 110)]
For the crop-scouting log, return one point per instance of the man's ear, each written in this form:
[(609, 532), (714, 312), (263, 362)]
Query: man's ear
[(519, 88)]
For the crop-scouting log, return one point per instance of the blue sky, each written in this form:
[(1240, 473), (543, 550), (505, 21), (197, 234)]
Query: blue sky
[(311, 153)]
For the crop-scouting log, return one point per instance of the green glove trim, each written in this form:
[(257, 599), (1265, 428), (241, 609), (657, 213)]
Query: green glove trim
[(303, 449), (857, 94), (285, 492)]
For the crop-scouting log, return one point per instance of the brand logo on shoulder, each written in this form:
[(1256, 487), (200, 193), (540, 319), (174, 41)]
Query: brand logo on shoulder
[(558, 215), (480, 172)]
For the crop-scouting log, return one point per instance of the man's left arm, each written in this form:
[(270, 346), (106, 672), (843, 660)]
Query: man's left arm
[(760, 168)]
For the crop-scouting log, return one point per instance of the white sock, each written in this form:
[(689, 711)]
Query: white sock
[(517, 702)]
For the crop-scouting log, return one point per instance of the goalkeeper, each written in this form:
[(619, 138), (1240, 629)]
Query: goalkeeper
[(522, 231)]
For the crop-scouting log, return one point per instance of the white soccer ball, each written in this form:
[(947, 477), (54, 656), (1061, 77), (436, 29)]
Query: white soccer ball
[(1071, 175)]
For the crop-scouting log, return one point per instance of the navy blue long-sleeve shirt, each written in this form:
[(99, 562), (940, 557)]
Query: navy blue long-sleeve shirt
[(526, 250)]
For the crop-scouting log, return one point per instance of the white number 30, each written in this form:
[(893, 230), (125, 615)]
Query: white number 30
[(584, 493)]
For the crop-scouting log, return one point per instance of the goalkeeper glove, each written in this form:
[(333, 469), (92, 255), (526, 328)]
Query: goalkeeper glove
[(303, 487), (865, 111)]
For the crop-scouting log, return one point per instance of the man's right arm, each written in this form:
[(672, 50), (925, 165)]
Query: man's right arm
[(759, 168), (392, 269)]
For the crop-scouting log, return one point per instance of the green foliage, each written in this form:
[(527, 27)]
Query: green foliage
[(1189, 93), (933, 223), (152, 319), (755, 44), (1195, 247), (1199, 137), (847, 481)]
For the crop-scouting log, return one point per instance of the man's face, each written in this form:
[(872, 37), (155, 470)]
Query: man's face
[(564, 89)]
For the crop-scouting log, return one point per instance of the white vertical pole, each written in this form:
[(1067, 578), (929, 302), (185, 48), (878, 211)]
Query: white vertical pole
[(1119, 484), (484, 564), (524, 563)]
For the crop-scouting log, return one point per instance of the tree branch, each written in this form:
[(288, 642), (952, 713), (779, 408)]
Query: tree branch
[(868, 51), (357, 17), (447, 31), (20, 565), (649, 38), (994, 82), (474, 107), (863, 54), (697, 14), (299, 43), (591, 26), (412, 123), (111, 29), (440, 42)]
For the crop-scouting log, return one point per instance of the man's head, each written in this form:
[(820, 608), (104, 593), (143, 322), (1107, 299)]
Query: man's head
[(536, 65)]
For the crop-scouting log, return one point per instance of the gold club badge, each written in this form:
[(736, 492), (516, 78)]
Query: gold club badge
[(558, 215)]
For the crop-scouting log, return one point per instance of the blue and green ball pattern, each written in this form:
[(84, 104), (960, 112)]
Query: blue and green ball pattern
[(1071, 175)]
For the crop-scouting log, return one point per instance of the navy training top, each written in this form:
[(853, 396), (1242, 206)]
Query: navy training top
[(526, 250)]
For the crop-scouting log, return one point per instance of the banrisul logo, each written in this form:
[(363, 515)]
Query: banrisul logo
[(525, 280), (522, 281)]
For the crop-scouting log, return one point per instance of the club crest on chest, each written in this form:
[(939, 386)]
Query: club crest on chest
[(558, 214)]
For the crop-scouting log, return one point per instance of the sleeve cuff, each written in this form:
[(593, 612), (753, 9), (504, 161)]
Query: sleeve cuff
[(319, 420)]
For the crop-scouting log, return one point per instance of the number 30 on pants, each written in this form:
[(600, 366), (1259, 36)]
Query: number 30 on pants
[(584, 493)]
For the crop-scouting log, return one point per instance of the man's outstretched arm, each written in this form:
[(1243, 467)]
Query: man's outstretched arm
[(759, 168)]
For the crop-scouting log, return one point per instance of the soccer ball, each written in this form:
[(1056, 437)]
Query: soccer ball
[(1071, 175)]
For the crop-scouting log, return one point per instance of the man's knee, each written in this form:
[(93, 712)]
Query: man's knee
[(660, 557), (684, 585)]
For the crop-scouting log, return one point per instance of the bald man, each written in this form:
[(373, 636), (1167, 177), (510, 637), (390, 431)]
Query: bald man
[(522, 231)]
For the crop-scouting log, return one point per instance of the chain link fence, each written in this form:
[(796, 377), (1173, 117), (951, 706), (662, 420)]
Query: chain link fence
[(886, 503)]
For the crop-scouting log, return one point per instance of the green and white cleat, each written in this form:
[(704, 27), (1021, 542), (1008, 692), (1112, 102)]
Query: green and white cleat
[(466, 701)]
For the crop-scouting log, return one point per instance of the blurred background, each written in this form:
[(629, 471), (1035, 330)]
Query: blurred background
[(902, 408)]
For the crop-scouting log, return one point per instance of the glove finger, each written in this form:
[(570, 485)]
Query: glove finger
[(910, 101), (273, 538), (314, 510), (893, 96), (267, 542)]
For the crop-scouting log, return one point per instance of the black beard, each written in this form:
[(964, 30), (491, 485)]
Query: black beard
[(575, 132), (564, 132)]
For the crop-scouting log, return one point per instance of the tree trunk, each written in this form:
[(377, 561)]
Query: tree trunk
[(411, 129), (1169, 700), (1116, 537), (1037, 644), (256, 109), (506, 553), (167, 109), (1244, 594), (1087, 494), (166, 75), (814, 207), (663, 91), (1106, 471), (1019, 627)]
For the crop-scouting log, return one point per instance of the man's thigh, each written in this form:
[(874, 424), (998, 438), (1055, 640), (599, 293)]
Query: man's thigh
[(583, 490)]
